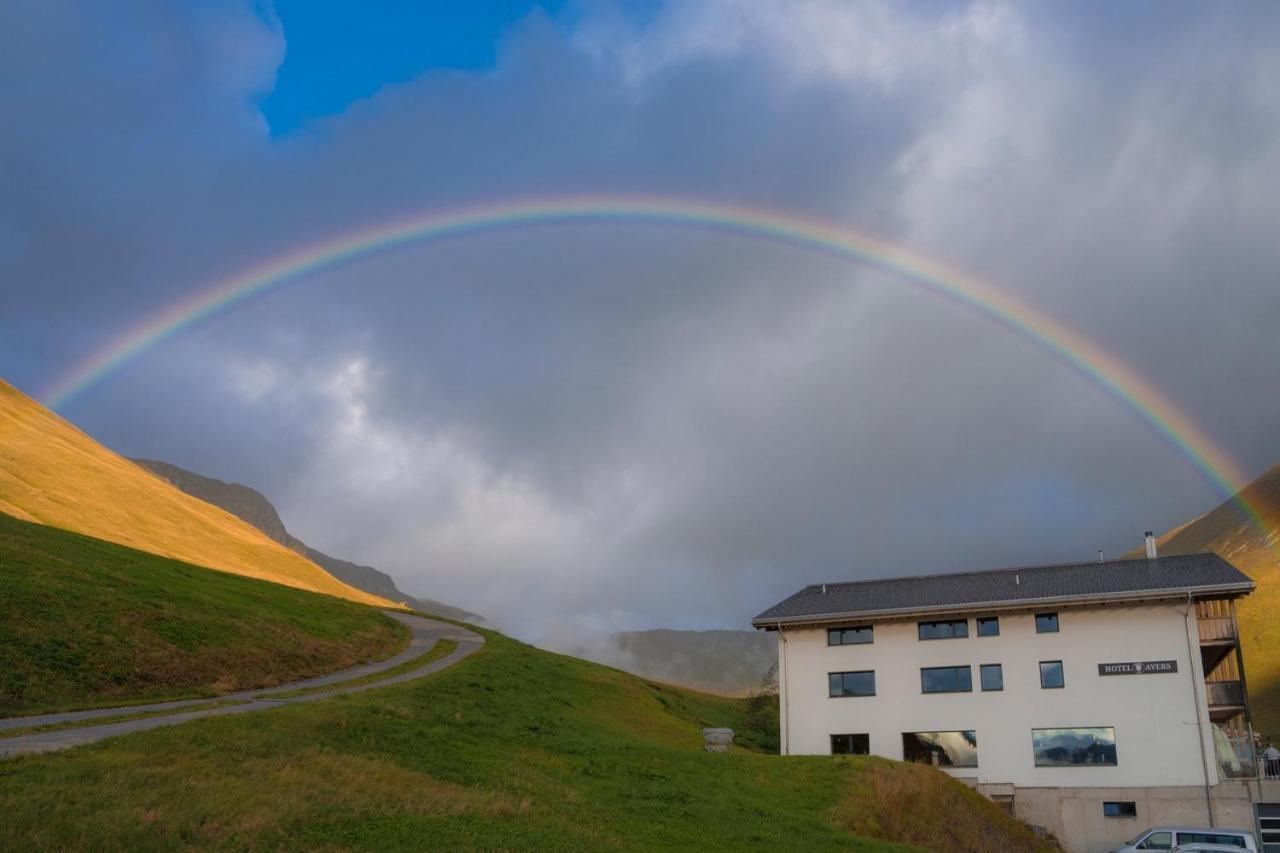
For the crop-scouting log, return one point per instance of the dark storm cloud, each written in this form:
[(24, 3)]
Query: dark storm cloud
[(590, 427)]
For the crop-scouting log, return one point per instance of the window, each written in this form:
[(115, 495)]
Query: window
[(946, 679), (1269, 823), (1074, 747), (1051, 674), (850, 745), (992, 676), (852, 683), (1046, 623), (988, 626), (1120, 809), (941, 749), (944, 630), (849, 636), (1157, 841), (1225, 839)]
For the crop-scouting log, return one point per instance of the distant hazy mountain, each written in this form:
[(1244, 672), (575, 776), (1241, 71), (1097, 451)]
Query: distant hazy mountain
[(253, 507), (719, 661), (1229, 532)]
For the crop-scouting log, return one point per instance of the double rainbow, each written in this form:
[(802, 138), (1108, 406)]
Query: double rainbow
[(1060, 342)]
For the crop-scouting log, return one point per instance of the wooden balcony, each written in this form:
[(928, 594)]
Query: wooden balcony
[(1217, 629), (1225, 694)]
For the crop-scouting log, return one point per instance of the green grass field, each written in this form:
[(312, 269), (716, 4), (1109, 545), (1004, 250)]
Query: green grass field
[(511, 749), (87, 623)]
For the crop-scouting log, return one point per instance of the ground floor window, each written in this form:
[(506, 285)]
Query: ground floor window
[(1121, 808), (1074, 747), (851, 744), (941, 749)]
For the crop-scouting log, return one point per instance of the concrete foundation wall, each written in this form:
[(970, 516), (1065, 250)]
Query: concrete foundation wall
[(1074, 815)]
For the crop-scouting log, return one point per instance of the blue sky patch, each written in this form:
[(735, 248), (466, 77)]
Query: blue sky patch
[(341, 52)]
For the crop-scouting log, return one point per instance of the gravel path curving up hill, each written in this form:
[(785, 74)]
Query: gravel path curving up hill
[(425, 634)]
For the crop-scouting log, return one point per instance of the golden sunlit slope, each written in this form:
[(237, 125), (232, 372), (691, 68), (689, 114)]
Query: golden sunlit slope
[(52, 473), (1228, 532)]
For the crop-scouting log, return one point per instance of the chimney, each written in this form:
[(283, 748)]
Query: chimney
[(1100, 560), (1151, 545)]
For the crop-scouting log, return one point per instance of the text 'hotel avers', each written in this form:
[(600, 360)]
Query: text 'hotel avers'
[(1093, 699)]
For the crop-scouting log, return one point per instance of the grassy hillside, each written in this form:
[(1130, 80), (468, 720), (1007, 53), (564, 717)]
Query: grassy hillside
[(52, 473), (512, 749), (1228, 532), (86, 622)]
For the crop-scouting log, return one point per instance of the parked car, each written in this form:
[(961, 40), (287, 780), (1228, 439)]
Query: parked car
[(1182, 837), (1195, 847)]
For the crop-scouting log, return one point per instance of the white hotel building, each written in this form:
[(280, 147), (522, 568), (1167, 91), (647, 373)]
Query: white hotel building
[(1093, 700)]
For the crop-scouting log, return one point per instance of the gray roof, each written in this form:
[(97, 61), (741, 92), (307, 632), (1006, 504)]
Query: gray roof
[(1200, 575)]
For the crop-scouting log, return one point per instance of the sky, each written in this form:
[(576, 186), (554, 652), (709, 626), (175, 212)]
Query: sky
[(578, 429)]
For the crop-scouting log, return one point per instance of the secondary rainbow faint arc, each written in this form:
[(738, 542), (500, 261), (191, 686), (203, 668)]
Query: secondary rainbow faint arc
[(1082, 355)]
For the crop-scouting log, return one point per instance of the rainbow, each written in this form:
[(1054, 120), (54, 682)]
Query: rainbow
[(1060, 342)]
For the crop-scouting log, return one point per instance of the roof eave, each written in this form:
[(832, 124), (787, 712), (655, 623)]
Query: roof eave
[(1235, 589)]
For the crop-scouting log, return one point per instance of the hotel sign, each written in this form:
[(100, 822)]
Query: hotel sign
[(1147, 667)]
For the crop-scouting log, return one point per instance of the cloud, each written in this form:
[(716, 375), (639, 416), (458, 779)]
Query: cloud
[(585, 428)]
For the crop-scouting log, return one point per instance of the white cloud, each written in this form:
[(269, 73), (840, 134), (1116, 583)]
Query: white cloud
[(874, 42)]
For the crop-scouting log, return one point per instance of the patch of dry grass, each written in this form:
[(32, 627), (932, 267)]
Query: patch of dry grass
[(915, 804)]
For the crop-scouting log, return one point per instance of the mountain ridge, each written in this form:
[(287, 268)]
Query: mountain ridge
[(55, 474), (254, 508)]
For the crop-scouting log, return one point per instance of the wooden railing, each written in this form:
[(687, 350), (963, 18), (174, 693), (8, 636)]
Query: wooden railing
[(1222, 693), (1216, 628)]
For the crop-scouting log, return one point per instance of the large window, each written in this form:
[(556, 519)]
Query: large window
[(944, 630), (852, 683), (850, 745), (1046, 623), (849, 636), (992, 675), (946, 679), (941, 749), (1074, 747), (988, 626), (1051, 674)]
